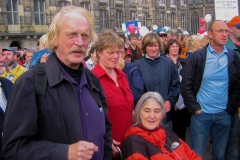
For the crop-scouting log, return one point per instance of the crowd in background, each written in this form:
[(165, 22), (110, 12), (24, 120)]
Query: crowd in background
[(142, 93)]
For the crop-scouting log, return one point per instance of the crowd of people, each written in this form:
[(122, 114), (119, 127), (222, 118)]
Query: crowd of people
[(121, 97)]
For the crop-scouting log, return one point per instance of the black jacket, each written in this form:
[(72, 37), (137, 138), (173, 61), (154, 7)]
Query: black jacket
[(135, 80), (192, 79), (46, 133), (6, 86)]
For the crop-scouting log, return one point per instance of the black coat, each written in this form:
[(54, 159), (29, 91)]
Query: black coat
[(192, 79), (6, 87), (135, 81), (46, 133)]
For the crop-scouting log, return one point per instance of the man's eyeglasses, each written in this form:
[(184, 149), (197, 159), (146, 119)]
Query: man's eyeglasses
[(221, 31), (74, 35)]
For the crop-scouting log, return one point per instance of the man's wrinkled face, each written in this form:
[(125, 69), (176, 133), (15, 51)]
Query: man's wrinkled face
[(8, 57), (235, 32), (219, 34), (29, 56), (73, 40)]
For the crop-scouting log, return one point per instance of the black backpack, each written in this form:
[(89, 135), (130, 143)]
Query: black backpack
[(40, 82)]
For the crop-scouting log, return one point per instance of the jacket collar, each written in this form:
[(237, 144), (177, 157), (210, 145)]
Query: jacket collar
[(211, 50), (152, 58), (90, 77), (99, 71), (156, 137), (55, 76), (203, 52)]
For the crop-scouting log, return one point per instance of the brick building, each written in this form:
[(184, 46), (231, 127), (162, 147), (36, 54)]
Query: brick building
[(24, 21)]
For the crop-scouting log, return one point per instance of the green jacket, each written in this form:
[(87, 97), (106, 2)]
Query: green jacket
[(231, 45)]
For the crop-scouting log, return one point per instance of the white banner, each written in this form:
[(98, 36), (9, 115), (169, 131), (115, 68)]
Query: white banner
[(225, 10)]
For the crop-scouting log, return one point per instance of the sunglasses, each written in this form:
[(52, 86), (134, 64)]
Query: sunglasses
[(162, 36)]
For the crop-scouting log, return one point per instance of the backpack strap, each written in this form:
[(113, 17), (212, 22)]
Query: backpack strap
[(40, 82)]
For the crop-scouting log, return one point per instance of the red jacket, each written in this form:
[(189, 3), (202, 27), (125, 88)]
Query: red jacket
[(142, 144), (120, 101)]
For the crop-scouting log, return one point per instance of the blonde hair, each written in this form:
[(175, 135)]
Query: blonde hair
[(150, 39), (192, 40), (149, 96), (107, 39), (205, 40), (54, 28)]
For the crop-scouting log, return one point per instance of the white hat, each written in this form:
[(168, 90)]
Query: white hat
[(185, 32), (161, 33)]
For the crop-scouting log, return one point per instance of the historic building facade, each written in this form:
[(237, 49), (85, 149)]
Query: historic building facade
[(198, 9), (24, 21)]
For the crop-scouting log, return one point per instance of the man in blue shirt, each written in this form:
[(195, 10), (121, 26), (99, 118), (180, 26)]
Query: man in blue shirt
[(233, 148), (211, 90)]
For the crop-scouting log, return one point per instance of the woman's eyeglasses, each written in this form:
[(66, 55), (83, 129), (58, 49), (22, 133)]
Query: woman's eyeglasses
[(177, 46)]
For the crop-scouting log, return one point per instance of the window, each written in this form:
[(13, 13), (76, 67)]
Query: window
[(131, 0), (85, 5), (173, 17), (144, 1), (162, 19), (119, 19), (198, 1), (161, 1), (149, 23), (103, 19), (183, 21), (172, 2), (12, 12), (181, 2), (194, 23), (132, 15), (39, 8), (63, 4), (144, 17)]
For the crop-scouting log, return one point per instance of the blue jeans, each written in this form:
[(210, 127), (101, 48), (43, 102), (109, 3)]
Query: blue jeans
[(233, 148), (218, 125)]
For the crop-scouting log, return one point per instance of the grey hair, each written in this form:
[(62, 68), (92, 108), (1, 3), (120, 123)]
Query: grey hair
[(149, 96), (44, 40), (54, 28)]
